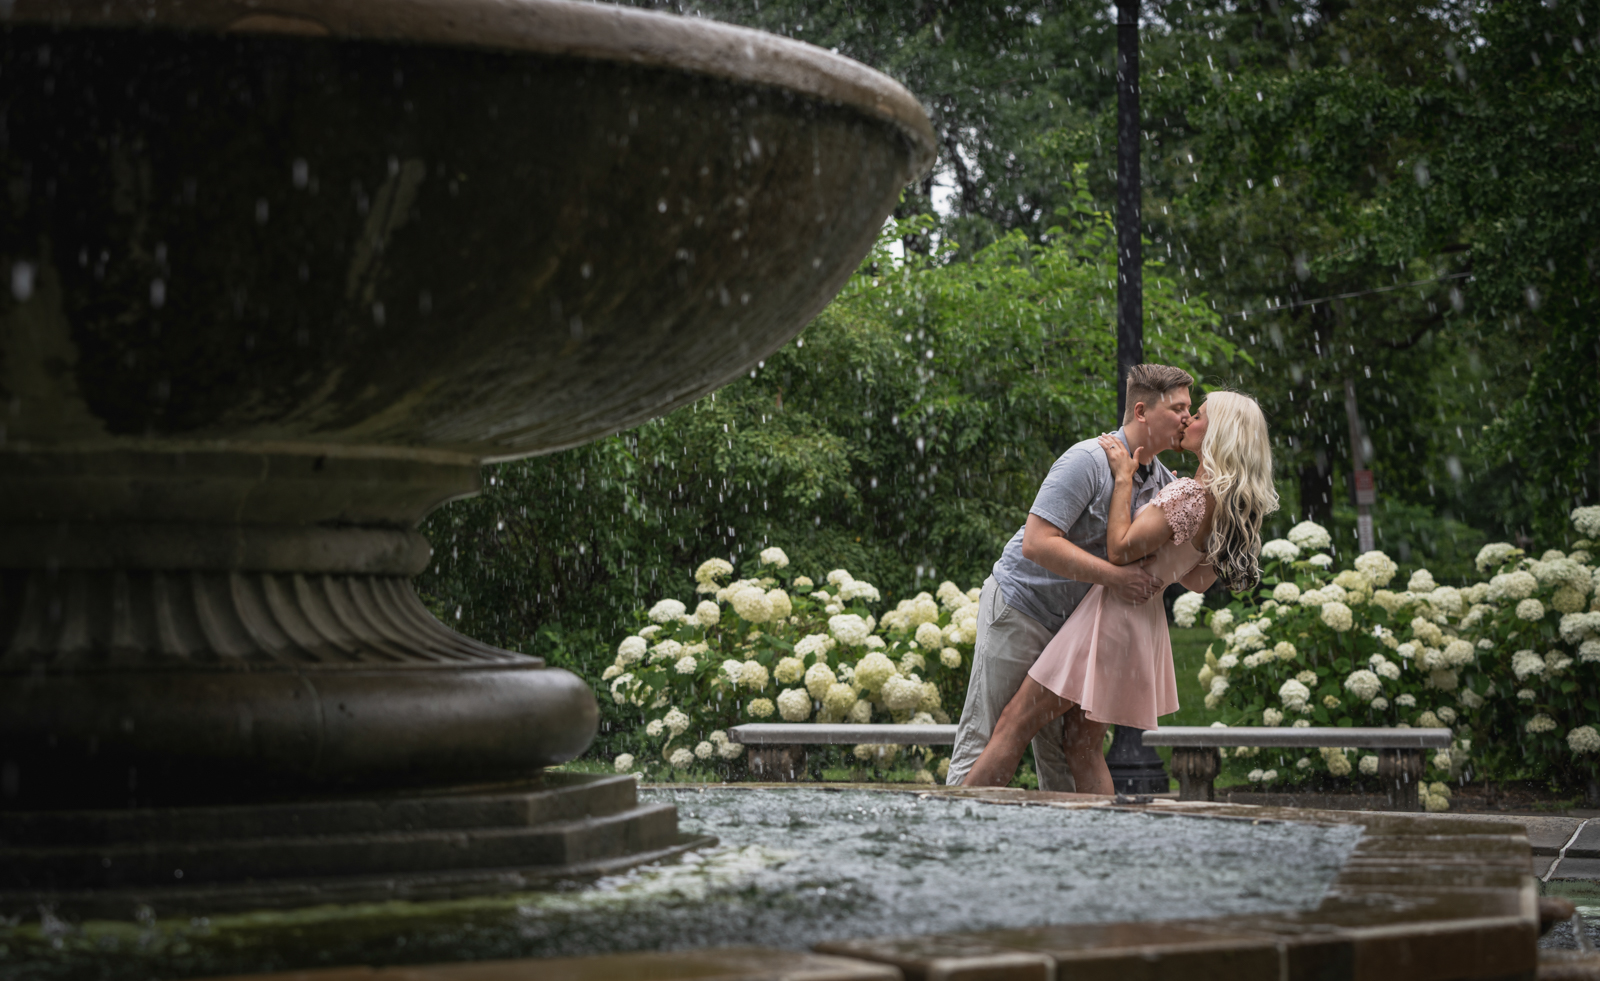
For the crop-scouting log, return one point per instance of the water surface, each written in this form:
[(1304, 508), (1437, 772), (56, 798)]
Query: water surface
[(794, 867)]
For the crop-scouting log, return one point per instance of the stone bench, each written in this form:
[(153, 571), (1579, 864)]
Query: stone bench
[(1196, 762), (778, 749)]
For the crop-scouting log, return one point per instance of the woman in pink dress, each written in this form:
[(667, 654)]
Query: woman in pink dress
[(1111, 662)]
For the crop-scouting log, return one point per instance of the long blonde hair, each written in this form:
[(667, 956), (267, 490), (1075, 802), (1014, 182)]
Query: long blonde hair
[(1238, 462)]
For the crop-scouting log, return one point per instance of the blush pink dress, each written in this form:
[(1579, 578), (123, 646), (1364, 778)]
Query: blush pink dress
[(1114, 658)]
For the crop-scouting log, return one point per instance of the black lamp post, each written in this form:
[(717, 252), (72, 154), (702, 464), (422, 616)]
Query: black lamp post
[(1135, 768)]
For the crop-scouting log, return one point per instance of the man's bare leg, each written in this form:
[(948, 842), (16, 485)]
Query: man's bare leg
[(1083, 742), (1030, 709)]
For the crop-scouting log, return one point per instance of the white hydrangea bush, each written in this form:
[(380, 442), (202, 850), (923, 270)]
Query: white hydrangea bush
[(777, 646), (1509, 663)]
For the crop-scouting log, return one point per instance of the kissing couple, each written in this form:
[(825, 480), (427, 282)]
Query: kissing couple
[(1072, 635)]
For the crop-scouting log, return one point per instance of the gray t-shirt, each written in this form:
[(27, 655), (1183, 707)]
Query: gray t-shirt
[(1075, 497)]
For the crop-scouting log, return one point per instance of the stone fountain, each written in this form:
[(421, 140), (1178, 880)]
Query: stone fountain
[(283, 274)]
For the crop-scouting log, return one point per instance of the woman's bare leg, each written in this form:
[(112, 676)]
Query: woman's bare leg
[(1029, 709), (1083, 741)]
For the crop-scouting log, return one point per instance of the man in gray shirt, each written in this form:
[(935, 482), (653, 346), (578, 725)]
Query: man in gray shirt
[(1054, 558)]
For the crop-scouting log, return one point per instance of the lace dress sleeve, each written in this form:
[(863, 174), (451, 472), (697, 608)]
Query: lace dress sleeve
[(1184, 503)]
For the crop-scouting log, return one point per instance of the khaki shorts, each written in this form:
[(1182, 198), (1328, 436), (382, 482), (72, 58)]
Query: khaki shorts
[(1009, 641)]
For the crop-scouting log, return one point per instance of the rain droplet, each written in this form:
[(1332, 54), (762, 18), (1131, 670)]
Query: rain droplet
[(22, 280)]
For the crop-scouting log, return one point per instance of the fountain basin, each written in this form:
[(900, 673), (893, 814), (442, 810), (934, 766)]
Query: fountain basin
[(1238, 891), (282, 280)]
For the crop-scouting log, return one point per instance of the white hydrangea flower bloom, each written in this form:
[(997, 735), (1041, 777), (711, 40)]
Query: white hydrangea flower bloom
[(839, 576), (1530, 609), (753, 675), (654, 728), (794, 704), (857, 590), (1526, 695), (1254, 776), (1304, 762), (850, 629), (686, 664), (1284, 651), (1584, 739), (774, 556), (839, 700), (873, 670), (1280, 550), (950, 657), (1470, 699), (620, 686), (1421, 582), (623, 763), (1380, 703), (703, 750), (1578, 627), (1377, 567), (1321, 561), (1363, 684), (667, 650), (1337, 616), (1458, 652), (789, 670), (730, 751), (950, 595), (1589, 650), (1338, 764), (1286, 592), (1387, 669), (1446, 714), (900, 693), (760, 708), (1310, 535), (667, 611), (682, 758), (676, 720), (631, 650), (929, 635), (1587, 520), (1518, 585), (912, 662), (1221, 621), (1555, 662), (1185, 607), (817, 644), (818, 679), (751, 603), (861, 713), (713, 569), (1271, 717), (1269, 776), (1294, 692), (1495, 554), (610, 672), (1540, 723), (707, 614)]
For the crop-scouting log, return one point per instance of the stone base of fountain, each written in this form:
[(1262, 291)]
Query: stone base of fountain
[(101, 863)]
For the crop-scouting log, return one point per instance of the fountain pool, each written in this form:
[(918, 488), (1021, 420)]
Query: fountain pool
[(794, 867)]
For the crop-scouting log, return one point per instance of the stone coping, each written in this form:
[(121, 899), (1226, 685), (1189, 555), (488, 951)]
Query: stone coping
[(1421, 898), (830, 733), (1288, 736)]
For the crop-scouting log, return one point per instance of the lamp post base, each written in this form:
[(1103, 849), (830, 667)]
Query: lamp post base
[(1135, 767)]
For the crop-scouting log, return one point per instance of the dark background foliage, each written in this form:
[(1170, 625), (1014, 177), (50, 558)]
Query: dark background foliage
[(1388, 206)]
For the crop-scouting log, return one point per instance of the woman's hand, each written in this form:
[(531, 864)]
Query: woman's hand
[(1122, 465)]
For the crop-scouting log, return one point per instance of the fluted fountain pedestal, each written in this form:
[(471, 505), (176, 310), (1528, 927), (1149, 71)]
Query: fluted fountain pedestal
[(280, 282)]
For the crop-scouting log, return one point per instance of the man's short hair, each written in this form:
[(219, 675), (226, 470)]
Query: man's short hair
[(1150, 383)]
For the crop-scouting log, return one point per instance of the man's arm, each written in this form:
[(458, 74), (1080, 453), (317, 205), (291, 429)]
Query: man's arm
[(1046, 545)]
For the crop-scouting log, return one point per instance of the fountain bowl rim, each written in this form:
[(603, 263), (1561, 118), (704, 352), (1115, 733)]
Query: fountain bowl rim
[(560, 28)]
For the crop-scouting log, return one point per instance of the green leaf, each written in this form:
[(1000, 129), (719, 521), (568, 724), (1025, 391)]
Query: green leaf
[(1345, 722)]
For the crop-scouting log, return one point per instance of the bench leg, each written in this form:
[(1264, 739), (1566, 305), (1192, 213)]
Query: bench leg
[(1401, 772), (779, 763), (1196, 767)]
